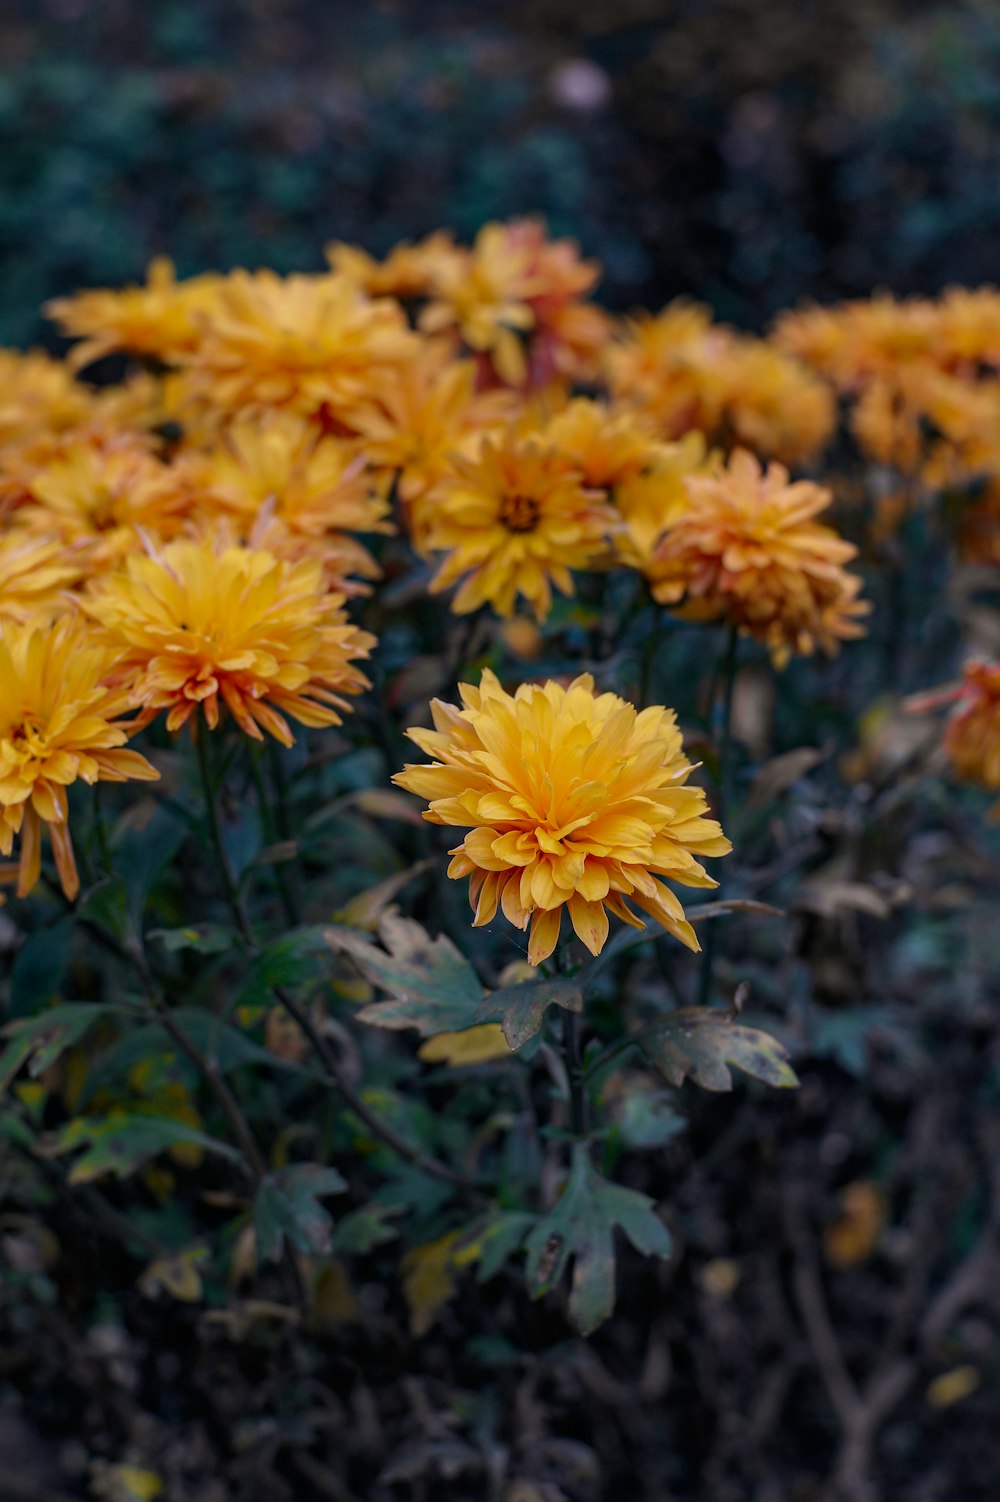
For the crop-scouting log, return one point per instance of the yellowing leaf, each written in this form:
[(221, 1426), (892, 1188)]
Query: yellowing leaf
[(177, 1276), (429, 1280), (125, 1483), (334, 1300), (951, 1387), (855, 1234), (475, 1045)]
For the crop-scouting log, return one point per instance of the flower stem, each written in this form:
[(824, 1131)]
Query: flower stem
[(574, 1073), (333, 1073), (722, 714)]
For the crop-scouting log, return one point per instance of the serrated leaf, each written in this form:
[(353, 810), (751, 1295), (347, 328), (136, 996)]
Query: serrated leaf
[(581, 1225), (39, 1041), (433, 987), (119, 1143), (497, 1239), (288, 1205), (704, 1044), (366, 1228), (522, 1008)]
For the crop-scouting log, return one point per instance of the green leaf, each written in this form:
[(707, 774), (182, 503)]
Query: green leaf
[(206, 938), (287, 1205), (366, 1228), (581, 1225), (704, 1044), (434, 988), (522, 1008), (647, 1119), (502, 1236), (119, 1143), (39, 967), (289, 961), (39, 1041)]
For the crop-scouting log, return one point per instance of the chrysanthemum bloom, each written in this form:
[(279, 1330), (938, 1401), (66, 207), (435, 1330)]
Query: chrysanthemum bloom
[(38, 395), (515, 300), (315, 344), (206, 627), (99, 490), (158, 321), (689, 373), (411, 427), (34, 574), (61, 703), (650, 501), (514, 521), (749, 551), (408, 271), (972, 736), (572, 799), (282, 466)]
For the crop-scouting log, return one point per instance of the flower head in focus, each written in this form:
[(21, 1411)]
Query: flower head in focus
[(573, 800), (748, 550), (61, 703), (513, 522), (207, 627)]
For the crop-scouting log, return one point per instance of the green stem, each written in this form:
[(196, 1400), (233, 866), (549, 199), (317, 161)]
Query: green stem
[(723, 715), (574, 1073), (333, 1073), (211, 799)]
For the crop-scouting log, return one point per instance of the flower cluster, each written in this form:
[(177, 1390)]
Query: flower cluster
[(202, 528)]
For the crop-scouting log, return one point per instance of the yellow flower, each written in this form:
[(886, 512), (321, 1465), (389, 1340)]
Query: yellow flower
[(572, 799), (407, 272), (689, 373), (749, 551), (281, 466), (410, 427), (972, 737), (99, 489), (201, 626), (61, 702), (514, 521), (312, 343), (514, 299), (158, 320), (652, 500), (34, 573), (37, 395)]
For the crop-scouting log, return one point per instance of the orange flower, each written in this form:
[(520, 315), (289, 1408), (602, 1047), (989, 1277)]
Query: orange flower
[(38, 395), (515, 300), (280, 467), (99, 490), (206, 627), (158, 320), (61, 702), (573, 800), (407, 272), (514, 521), (312, 343), (34, 573), (749, 551), (972, 736), (687, 372)]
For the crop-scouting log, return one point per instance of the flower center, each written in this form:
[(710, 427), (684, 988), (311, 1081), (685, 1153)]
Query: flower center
[(519, 513)]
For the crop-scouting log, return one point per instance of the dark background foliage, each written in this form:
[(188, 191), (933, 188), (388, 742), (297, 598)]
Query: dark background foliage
[(752, 154), (749, 153)]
